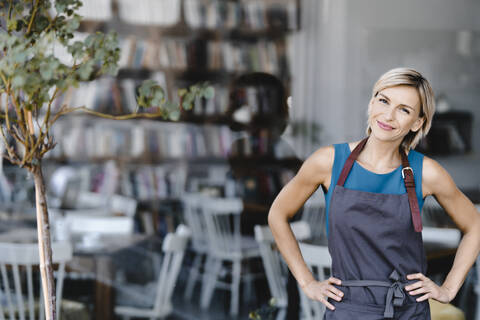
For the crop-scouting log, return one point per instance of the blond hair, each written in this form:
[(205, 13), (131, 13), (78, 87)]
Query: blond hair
[(409, 77)]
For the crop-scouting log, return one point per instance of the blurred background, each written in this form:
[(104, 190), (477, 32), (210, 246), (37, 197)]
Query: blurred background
[(116, 188)]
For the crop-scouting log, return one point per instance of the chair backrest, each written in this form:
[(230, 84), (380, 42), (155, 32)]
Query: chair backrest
[(319, 261), (173, 247), (194, 218), (431, 211), (222, 218), (93, 224), (275, 269), (314, 214), (447, 238), (17, 264)]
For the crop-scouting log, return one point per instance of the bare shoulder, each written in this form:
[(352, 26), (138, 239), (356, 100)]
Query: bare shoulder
[(435, 179), (318, 165)]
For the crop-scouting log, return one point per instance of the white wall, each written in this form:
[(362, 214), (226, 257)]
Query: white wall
[(345, 45)]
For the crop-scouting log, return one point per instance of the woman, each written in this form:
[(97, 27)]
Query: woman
[(374, 192)]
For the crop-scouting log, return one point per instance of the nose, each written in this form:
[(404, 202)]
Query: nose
[(389, 114)]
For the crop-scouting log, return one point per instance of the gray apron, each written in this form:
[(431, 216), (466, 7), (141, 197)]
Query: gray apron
[(375, 240)]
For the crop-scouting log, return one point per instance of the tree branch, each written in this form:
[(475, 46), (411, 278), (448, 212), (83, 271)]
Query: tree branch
[(32, 18), (17, 135), (18, 110), (49, 107), (64, 111), (13, 157)]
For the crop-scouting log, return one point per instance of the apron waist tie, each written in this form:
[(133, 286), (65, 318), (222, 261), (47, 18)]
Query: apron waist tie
[(395, 293)]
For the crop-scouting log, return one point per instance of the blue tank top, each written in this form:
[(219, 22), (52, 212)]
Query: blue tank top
[(365, 180)]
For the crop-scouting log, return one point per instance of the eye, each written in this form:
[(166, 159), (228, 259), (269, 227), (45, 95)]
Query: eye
[(405, 110), (382, 100)]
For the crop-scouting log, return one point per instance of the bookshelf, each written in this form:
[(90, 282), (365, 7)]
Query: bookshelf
[(177, 43)]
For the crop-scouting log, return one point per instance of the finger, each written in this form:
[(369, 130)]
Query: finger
[(418, 291), (335, 291), (327, 304), (332, 295), (423, 298), (335, 281), (415, 276), (415, 285)]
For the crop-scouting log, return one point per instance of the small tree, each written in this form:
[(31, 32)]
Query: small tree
[(31, 78)]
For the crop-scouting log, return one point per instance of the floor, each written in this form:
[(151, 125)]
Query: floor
[(219, 308)]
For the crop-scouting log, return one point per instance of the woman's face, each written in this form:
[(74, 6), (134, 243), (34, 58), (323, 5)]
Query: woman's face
[(394, 112)]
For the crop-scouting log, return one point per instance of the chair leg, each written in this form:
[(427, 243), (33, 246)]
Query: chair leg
[(282, 312), (248, 280), (210, 282), (235, 296), (192, 277)]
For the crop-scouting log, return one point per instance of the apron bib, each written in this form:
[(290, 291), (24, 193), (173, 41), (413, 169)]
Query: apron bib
[(375, 240)]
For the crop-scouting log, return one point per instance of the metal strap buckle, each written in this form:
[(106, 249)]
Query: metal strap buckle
[(406, 168)]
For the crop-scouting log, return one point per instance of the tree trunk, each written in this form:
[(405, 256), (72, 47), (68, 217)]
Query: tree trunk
[(44, 245)]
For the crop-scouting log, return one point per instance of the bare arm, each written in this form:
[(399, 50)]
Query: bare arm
[(315, 171), (437, 182)]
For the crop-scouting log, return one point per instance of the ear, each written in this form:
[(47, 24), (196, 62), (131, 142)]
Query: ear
[(418, 124)]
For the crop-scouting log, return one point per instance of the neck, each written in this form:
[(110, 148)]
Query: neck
[(380, 155)]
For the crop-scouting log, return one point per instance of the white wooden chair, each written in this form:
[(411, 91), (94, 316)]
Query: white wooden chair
[(275, 268), (18, 262), (173, 247), (226, 244), (431, 212), (314, 214), (194, 219), (318, 260), (84, 224)]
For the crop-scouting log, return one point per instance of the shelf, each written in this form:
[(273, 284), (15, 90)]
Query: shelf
[(264, 160), (240, 160), (194, 74), (180, 30), (135, 161)]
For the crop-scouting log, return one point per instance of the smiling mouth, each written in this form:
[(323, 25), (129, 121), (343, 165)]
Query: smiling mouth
[(384, 126)]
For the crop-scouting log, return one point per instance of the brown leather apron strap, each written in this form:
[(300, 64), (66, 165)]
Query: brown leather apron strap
[(407, 175), (349, 163)]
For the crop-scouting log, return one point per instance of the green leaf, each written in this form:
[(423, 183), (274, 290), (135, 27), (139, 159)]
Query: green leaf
[(41, 22), (76, 49), (12, 25), (189, 97), (174, 115), (186, 105), (158, 93), (182, 92), (20, 56), (19, 80), (85, 70), (19, 7), (141, 102), (209, 92)]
